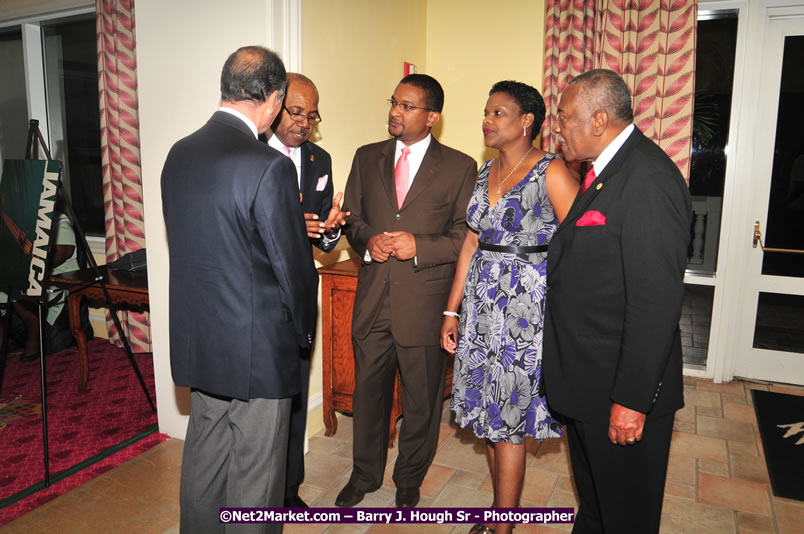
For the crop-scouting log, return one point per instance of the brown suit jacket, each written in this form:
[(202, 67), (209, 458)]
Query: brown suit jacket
[(434, 212)]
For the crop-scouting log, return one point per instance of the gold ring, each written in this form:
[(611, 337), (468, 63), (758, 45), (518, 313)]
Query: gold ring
[(630, 441)]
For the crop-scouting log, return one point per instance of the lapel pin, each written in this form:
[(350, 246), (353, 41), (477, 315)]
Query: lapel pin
[(599, 187), (312, 157)]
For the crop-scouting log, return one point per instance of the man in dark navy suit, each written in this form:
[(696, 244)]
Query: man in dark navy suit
[(243, 295), (292, 129), (612, 349)]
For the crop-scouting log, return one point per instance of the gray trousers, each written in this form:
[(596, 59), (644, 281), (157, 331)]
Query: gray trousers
[(235, 455)]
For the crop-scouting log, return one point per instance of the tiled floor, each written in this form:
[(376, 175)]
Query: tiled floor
[(717, 480)]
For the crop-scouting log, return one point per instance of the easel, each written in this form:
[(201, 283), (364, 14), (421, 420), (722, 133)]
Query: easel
[(35, 140)]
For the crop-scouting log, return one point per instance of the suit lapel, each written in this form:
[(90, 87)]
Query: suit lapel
[(307, 175), (386, 170), (428, 170), (583, 200)]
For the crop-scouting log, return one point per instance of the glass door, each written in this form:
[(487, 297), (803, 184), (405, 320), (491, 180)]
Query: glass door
[(770, 326)]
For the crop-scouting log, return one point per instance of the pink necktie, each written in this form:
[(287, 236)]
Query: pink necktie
[(286, 150), (588, 179), (401, 176)]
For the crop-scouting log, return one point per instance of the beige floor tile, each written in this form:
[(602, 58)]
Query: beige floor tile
[(304, 528), (396, 528), (735, 387), (553, 456), (683, 427), (321, 469), (689, 381), (469, 455), (755, 523), (715, 427), (565, 483), (437, 477), (695, 446), (736, 494), (537, 529), (444, 433), (697, 397), (468, 479), (563, 499), (686, 414), (325, 445), (454, 496), (713, 468), (681, 469), (680, 516), (744, 400), (345, 428), (682, 491), (348, 528), (751, 468), (739, 412), (714, 411), (743, 448), (538, 486), (789, 515)]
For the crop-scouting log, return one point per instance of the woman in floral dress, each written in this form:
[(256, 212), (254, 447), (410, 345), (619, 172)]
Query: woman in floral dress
[(519, 199)]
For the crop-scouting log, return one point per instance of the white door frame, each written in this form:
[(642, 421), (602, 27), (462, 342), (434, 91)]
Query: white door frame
[(729, 338)]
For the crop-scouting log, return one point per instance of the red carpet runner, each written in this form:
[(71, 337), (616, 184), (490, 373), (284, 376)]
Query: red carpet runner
[(105, 426)]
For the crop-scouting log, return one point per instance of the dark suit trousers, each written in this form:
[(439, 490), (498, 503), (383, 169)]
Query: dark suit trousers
[(422, 369), (234, 456), (620, 489), (298, 423)]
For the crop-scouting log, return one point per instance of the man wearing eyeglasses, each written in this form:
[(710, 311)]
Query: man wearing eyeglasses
[(292, 130), (408, 198)]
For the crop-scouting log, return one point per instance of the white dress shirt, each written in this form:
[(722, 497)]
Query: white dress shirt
[(251, 125), (605, 157)]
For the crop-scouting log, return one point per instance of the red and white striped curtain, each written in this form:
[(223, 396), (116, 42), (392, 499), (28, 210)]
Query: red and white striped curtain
[(120, 148), (651, 44), (569, 44)]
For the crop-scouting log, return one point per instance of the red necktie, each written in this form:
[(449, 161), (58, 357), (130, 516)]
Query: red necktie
[(588, 179), (401, 176)]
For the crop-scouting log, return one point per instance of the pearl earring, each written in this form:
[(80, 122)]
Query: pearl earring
[(524, 131)]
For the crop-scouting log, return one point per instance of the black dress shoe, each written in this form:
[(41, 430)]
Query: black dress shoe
[(295, 502), (407, 497), (349, 496)]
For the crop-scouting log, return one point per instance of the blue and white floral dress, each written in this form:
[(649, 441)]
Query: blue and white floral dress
[(497, 378)]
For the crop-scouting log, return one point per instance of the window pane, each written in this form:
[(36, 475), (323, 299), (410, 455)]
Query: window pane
[(13, 101), (779, 324), (714, 76), (786, 207), (696, 318), (71, 68)]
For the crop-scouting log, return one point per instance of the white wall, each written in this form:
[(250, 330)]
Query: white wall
[(181, 47)]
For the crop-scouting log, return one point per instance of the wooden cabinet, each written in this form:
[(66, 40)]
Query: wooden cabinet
[(338, 285)]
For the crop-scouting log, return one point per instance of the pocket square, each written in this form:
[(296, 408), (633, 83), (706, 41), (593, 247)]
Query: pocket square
[(591, 218), (322, 183)]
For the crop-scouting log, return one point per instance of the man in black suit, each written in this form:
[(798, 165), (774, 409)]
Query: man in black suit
[(615, 270), (242, 295), (292, 129)]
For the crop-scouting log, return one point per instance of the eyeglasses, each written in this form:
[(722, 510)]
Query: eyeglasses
[(404, 106), (299, 117)]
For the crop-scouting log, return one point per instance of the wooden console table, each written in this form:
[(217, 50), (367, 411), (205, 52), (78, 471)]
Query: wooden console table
[(127, 289), (338, 286)]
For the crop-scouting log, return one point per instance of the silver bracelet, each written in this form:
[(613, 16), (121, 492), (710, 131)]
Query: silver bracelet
[(451, 314)]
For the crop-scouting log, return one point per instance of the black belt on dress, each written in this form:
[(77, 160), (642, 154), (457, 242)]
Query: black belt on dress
[(531, 249)]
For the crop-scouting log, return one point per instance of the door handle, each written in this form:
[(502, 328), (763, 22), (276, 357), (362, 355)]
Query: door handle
[(758, 239)]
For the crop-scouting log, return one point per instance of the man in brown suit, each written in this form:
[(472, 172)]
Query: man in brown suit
[(408, 199)]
